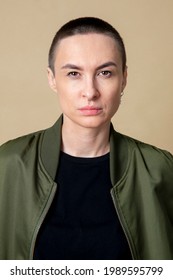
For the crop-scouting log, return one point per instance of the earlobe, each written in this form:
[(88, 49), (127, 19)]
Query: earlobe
[(51, 79)]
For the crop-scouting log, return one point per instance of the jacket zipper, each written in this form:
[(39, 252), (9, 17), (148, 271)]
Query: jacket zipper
[(122, 225), (42, 217)]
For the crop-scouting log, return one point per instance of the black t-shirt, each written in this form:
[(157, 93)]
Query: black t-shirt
[(82, 222)]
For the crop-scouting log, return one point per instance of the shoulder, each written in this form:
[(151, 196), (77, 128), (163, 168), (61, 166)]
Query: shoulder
[(150, 156), (20, 147), (149, 152)]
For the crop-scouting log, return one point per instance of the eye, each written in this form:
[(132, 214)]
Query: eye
[(73, 74), (105, 73)]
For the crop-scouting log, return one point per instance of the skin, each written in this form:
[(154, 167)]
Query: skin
[(88, 80)]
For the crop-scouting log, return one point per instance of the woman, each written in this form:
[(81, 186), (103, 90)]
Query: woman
[(81, 189)]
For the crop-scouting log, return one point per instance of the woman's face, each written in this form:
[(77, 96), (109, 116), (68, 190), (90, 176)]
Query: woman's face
[(88, 79)]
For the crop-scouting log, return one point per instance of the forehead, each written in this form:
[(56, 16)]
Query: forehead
[(87, 48)]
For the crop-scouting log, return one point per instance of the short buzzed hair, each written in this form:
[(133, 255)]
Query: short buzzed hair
[(86, 25)]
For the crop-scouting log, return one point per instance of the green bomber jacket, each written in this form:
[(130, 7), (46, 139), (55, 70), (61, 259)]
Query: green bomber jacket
[(142, 192)]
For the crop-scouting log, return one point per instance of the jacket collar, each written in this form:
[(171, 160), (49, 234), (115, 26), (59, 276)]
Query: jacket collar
[(51, 146), (119, 155)]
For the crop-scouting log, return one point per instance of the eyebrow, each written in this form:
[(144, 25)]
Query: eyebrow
[(107, 64), (104, 65)]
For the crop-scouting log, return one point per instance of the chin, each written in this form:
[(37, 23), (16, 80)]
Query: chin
[(92, 123)]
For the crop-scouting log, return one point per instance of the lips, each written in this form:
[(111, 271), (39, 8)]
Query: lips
[(90, 110)]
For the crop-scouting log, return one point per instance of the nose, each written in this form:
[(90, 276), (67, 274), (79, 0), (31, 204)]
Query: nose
[(90, 90)]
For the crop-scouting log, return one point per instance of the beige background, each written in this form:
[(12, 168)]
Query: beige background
[(27, 28)]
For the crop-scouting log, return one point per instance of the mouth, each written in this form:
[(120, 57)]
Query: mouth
[(90, 111)]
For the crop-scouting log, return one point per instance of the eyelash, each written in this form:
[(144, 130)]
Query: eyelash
[(105, 73), (73, 74)]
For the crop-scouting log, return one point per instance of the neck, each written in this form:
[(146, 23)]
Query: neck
[(85, 142)]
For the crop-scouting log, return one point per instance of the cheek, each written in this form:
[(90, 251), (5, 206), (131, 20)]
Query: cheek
[(111, 87), (67, 89), (113, 97), (113, 102), (66, 98)]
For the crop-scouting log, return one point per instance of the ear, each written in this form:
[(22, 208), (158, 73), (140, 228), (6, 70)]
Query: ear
[(124, 79), (51, 79)]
